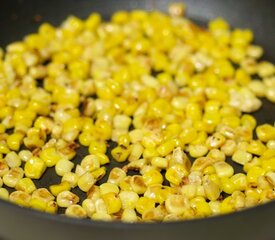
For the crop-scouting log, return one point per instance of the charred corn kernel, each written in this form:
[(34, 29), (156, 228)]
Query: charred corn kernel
[(76, 211), (137, 184), (112, 202), (50, 156), (143, 204), (51, 207), (254, 173), (240, 181), (12, 177), (21, 198), (129, 215), (58, 188), (97, 147), (265, 132), (175, 174), (34, 168), (66, 199), (86, 181), (108, 187), (197, 150), (227, 185), (25, 185), (152, 177), (116, 176), (223, 169), (241, 157), (13, 160), (4, 168), (120, 153), (201, 163), (270, 177), (4, 194), (14, 141), (99, 173), (43, 195)]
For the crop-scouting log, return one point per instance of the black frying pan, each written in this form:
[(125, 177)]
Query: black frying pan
[(20, 17)]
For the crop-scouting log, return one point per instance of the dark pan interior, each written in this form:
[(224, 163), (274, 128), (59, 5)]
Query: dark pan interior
[(20, 17)]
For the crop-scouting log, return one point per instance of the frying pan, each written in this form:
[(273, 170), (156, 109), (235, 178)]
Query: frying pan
[(20, 17)]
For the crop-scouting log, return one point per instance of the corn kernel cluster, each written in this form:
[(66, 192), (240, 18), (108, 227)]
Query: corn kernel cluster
[(164, 90)]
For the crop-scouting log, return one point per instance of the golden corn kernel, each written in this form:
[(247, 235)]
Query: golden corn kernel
[(76, 211), (34, 168), (66, 199), (25, 185), (58, 188)]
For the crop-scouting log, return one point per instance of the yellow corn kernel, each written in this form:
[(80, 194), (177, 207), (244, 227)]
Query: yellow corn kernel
[(200, 206), (112, 202), (188, 135), (122, 122), (152, 177), (128, 199), (58, 188), (101, 216), (223, 169), (90, 163), (116, 176), (38, 204), (108, 187), (254, 173), (86, 181), (211, 189), (63, 166), (240, 181), (256, 147), (197, 150), (25, 185), (136, 152), (248, 121), (51, 207), (97, 147), (76, 211), (99, 173), (4, 194), (4, 168), (254, 162), (13, 160), (34, 168), (14, 141), (89, 206), (12, 177), (227, 206), (159, 162), (21, 198), (265, 132), (129, 215), (241, 157), (25, 155), (50, 156), (120, 153), (166, 147), (216, 154), (175, 204), (66, 199), (43, 195), (93, 21), (137, 184), (215, 207), (227, 185), (143, 204), (270, 177), (71, 178), (175, 174), (200, 138), (4, 148)]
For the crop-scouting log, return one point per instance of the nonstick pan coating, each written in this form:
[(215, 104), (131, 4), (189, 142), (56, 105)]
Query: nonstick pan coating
[(20, 17)]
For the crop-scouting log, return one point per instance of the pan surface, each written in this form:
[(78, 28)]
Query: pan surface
[(20, 17)]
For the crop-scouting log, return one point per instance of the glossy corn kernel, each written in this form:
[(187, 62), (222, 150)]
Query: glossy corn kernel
[(143, 204), (152, 177), (58, 188), (265, 132), (112, 201), (241, 157), (12, 177), (137, 184), (120, 153), (223, 169), (86, 181), (4, 194), (71, 178), (25, 185), (50, 156), (34, 168), (108, 187), (129, 215), (13, 160), (175, 174), (21, 198), (116, 175)]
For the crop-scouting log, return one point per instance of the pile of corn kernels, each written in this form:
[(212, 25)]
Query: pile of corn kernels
[(161, 89)]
